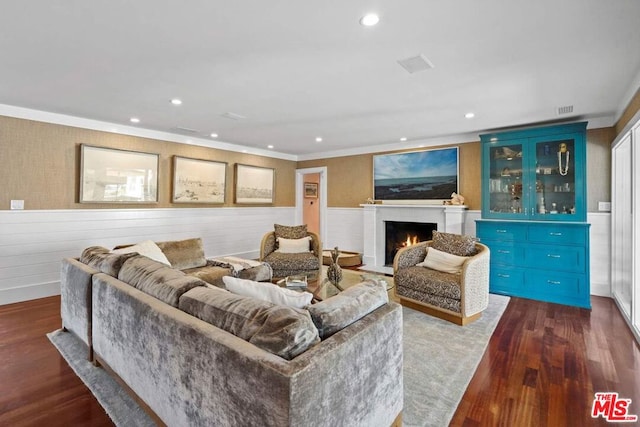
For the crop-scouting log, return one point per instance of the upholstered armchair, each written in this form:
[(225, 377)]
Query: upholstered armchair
[(456, 297), (289, 261)]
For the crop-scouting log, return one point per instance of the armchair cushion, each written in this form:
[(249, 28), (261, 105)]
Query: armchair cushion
[(430, 281), (443, 261), (455, 244), (293, 262), (290, 231), (293, 246)]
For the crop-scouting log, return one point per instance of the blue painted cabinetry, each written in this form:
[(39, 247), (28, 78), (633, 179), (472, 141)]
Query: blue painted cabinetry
[(534, 212)]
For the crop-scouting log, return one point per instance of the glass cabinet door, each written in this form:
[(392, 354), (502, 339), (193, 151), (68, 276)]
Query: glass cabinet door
[(555, 179), (507, 180)]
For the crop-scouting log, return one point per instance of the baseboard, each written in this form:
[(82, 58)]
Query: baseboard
[(26, 293), (600, 289)]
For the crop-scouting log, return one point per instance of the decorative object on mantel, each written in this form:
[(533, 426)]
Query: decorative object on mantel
[(334, 271), (456, 199), (371, 201)]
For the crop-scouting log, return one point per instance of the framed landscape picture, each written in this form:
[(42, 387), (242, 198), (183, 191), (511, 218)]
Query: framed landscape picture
[(417, 175), (254, 184), (198, 181), (109, 175), (311, 190)]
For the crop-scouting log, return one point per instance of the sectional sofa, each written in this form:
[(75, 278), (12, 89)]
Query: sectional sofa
[(196, 354)]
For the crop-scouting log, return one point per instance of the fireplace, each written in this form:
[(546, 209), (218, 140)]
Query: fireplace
[(399, 234)]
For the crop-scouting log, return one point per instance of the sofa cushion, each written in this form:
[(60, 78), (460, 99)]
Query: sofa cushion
[(103, 260), (156, 279), (443, 261), (278, 329), (455, 244), (268, 292), (294, 262), (430, 281), (184, 254), (293, 246), (147, 248), (341, 310), (290, 231), (209, 273)]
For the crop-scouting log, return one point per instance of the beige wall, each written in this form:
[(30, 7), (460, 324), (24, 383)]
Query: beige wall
[(350, 178), (629, 112), (40, 165)]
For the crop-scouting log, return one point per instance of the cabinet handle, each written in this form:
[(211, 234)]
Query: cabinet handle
[(501, 231), (554, 282), (504, 276), (553, 256), (502, 251), (555, 234)]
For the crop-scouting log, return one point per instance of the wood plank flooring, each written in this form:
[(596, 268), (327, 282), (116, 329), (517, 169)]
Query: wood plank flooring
[(541, 368)]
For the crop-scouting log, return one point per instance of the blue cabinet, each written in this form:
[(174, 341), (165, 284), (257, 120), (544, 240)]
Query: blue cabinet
[(534, 213)]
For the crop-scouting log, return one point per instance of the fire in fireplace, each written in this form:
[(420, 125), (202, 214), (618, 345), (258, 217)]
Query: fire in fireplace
[(399, 234)]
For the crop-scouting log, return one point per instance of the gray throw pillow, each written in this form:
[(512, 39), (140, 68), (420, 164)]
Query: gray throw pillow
[(343, 309), (103, 260), (278, 329)]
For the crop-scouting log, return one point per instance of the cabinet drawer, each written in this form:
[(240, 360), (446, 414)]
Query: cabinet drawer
[(504, 280), (554, 284), (557, 234), (556, 258), (506, 253), (501, 231)]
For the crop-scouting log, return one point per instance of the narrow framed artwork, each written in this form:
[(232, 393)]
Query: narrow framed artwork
[(110, 175), (254, 184), (198, 181), (311, 190)]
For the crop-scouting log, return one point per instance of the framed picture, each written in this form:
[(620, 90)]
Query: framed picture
[(254, 184), (310, 190), (417, 175), (109, 175), (198, 181)]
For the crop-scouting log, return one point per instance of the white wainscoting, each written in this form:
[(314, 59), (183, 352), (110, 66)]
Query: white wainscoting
[(32, 243), (344, 229)]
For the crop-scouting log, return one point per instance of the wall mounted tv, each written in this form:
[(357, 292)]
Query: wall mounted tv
[(417, 175)]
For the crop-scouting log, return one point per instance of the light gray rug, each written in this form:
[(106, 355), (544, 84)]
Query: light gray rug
[(440, 359)]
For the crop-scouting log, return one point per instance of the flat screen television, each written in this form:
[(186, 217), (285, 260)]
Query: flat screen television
[(416, 175)]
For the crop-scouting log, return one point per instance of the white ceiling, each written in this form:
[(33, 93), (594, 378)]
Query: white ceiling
[(299, 69)]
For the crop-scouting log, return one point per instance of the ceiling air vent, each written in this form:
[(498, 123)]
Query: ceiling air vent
[(232, 116), (184, 130), (416, 64), (565, 110)]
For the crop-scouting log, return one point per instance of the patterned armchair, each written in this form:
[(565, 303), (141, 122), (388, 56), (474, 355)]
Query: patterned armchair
[(287, 264), (458, 298)]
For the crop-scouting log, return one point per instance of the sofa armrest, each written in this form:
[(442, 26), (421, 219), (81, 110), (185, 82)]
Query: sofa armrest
[(410, 255), (475, 282)]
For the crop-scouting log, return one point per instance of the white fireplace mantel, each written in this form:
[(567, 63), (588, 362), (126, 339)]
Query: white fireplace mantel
[(449, 218)]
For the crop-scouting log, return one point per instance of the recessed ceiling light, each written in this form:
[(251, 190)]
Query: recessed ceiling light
[(176, 101), (469, 115), (318, 139), (403, 139), (269, 146), (369, 20), (214, 135), (134, 120)]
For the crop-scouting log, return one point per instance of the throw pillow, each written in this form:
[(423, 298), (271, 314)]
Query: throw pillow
[(103, 260), (184, 254), (339, 311), (293, 246), (267, 292), (290, 232), (455, 244), (147, 248), (443, 261)]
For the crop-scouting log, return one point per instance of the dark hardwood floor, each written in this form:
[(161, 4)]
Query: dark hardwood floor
[(542, 366)]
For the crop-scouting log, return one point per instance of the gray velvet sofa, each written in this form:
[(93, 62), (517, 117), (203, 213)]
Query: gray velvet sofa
[(146, 327)]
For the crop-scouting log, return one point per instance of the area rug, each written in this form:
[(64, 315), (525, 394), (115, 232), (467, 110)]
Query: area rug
[(440, 359)]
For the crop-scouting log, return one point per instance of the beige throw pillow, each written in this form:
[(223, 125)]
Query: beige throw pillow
[(267, 292), (443, 261), (293, 246)]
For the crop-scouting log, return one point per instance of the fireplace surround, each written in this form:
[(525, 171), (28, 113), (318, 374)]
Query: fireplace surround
[(448, 218)]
